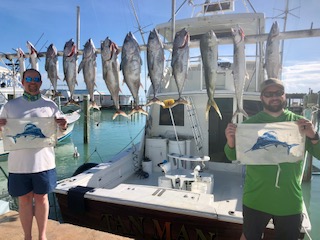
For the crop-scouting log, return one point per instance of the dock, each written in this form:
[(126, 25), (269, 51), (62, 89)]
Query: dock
[(10, 228)]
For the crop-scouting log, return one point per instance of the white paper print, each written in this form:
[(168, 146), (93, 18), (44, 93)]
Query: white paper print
[(29, 133), (269, 143)]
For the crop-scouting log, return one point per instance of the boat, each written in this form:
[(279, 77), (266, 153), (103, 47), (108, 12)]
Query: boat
[(177, 182)]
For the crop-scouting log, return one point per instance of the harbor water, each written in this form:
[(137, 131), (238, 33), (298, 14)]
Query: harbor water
[(108, 137)]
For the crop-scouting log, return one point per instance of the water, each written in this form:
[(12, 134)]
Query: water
[(106, 138)]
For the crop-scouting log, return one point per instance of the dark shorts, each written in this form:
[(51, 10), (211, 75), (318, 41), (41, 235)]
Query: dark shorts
[(20, 184), (255, 222)]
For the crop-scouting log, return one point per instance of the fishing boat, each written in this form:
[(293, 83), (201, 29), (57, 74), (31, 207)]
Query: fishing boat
[(177, 183)]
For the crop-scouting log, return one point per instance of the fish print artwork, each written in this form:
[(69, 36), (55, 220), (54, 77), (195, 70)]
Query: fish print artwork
[(29, 133), (269, 143)]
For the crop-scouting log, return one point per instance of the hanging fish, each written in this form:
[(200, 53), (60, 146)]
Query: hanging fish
[(51, 66), (272, 58), (88, 65), (70, 66), (155, 61), (131, 68), (239, 69), (180, 62), (110, 69), (209, 55), (22, 66), (33, 56)]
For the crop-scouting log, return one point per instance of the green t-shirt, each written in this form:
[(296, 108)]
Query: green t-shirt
[(260, 191)]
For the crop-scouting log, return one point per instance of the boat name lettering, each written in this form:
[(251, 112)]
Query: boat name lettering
[(129, 225)]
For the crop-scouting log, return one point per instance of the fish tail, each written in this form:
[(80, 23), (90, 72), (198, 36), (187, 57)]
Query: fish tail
[(180, 101), (94, 106), (155, 100), (137, 110), (237, 112), (119, 112), (215, 106)]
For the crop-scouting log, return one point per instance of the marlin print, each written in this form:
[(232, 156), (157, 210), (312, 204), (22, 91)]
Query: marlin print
[(269, 139), (30, 130)]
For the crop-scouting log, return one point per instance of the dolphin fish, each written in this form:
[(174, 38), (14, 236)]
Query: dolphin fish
[(30, 130), (269, 139)]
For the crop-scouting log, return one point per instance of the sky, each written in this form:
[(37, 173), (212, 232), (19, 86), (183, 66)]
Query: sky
[(43, 22)]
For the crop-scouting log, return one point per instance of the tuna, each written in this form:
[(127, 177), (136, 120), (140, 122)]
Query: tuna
[(88, 65), (180, 62), (70, 66), (209, 55), (110, 69), (239, 69), (51, 66), (131, 68), (155, 60), (272, 58), (33, 56)]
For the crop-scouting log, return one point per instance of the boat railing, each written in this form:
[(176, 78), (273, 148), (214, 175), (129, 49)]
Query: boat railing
[(209, 8)]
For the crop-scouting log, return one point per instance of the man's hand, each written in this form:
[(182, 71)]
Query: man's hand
[(230, 133), (3, 122)]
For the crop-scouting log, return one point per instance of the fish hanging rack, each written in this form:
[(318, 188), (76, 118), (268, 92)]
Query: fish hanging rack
[(225, 40)]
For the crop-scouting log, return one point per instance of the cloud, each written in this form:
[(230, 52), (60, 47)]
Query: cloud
[(300, 77)]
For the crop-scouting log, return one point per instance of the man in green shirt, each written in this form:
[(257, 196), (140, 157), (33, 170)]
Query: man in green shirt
[(262, 200)]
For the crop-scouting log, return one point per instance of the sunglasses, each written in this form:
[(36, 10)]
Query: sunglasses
[(35, 79), (278, 93)]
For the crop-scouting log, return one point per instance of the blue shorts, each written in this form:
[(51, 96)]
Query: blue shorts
[(20, 184)]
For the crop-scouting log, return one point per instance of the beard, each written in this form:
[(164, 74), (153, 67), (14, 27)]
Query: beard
[(274, 107)]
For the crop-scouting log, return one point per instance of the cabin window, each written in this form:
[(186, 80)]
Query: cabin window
[(178, 115)]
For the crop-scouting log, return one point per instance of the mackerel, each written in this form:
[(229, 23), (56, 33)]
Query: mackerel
[(22, 66), (272, 58), (33, 56)]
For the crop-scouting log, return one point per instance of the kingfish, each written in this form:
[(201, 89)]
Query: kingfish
[(180, 62), (70, 66), (88, 65), (33, 56), (209, 55), (110, 69), (155, 60), (239, 69), (22, 66), (272, 58), (131, 67), (51, 66)]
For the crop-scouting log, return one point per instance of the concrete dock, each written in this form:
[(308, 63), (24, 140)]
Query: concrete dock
[(10, 229)]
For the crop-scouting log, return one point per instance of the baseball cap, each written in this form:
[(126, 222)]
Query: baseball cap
[(271, 82)]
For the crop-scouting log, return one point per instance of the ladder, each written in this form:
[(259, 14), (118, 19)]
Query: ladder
[(195, 126)]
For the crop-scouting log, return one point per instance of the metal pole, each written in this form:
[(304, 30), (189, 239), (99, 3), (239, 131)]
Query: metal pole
[(78, 27), (173, 23), (86, 118)]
